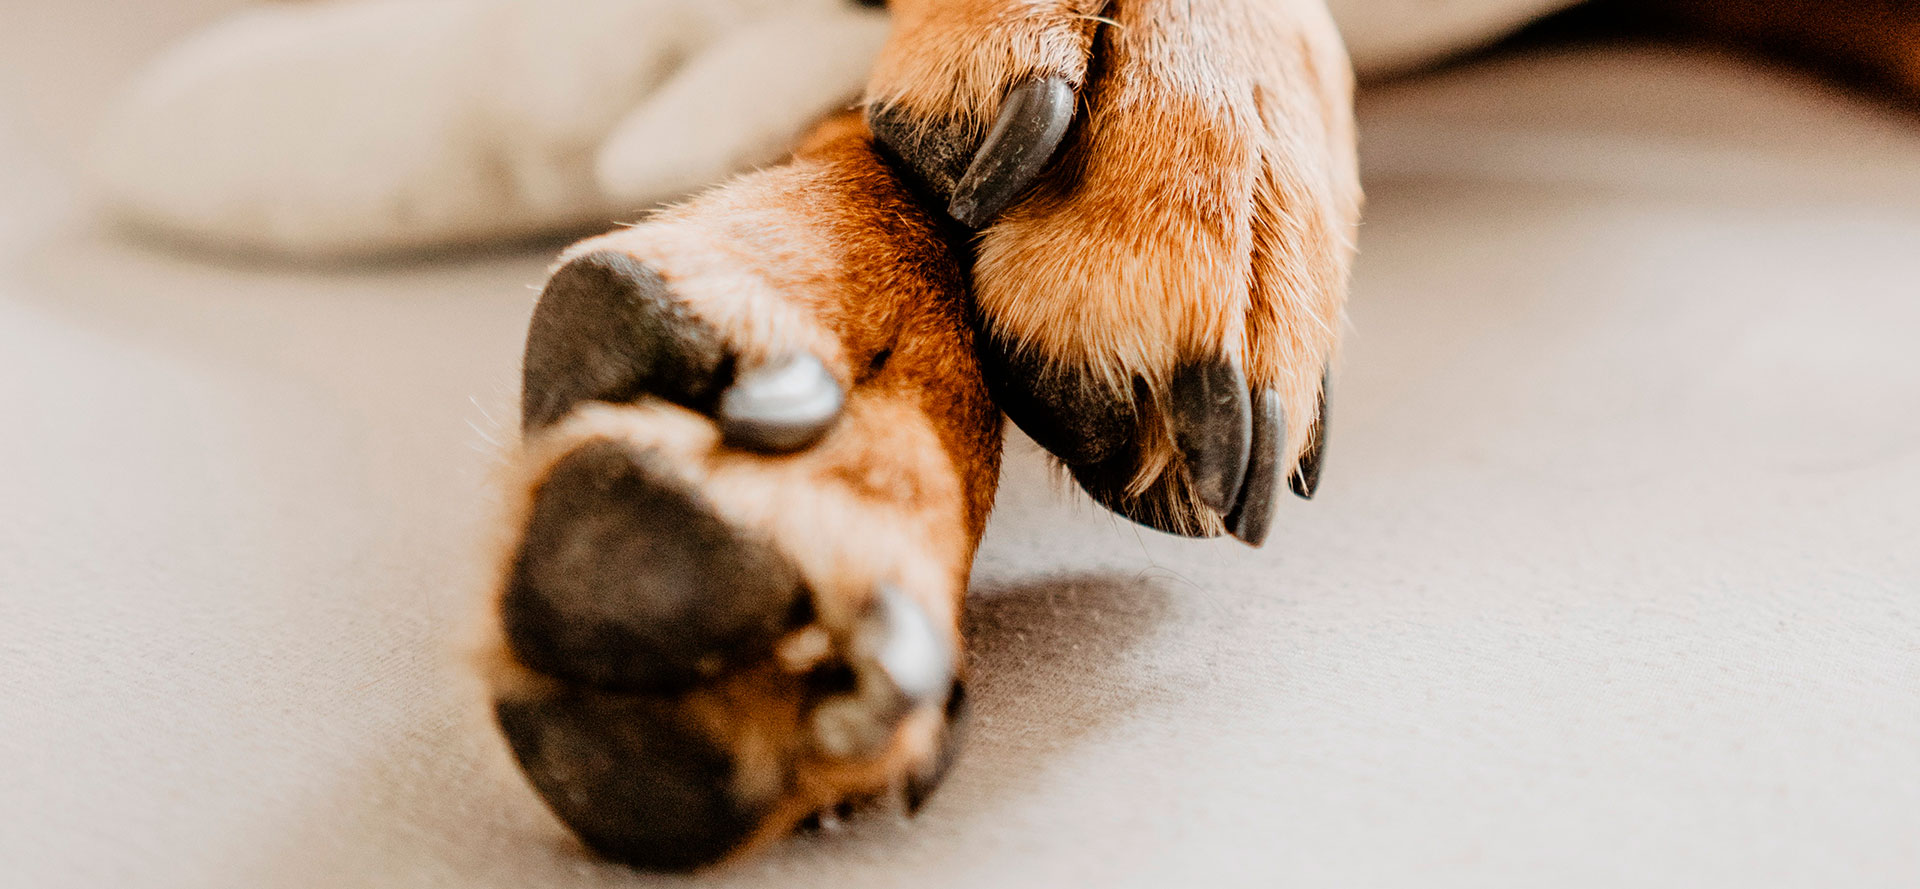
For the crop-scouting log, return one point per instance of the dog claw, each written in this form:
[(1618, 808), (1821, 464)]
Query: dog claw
[(1033, 120), (1306, 477), (1252, 515), (975, 176), (781, 407), (900, 638), (1212, 423), (922, 782), (900, 662)]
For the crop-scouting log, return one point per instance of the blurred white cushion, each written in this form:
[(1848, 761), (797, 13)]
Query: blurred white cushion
[(365, 126)]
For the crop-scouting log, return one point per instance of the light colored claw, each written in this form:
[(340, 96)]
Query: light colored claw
[(900, 639), (900, 661)]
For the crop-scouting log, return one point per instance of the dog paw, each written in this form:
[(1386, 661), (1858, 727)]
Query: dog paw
[(1166, 194), (758, 459)]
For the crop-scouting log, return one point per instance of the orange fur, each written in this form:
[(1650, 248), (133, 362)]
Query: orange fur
[(826, 254), (1206, 204)]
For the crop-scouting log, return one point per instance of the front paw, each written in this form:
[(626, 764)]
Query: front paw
[(758, 459), (675, 682), (1159, 302)]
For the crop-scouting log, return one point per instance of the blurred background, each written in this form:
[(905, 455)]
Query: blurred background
[(1615, 576)]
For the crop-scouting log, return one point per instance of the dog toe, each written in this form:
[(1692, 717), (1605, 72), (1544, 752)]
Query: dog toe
[(626, 581), (632, 777), (609, 328), (978, 176), (1064, 407)]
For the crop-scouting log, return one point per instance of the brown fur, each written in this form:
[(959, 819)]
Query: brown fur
[(827, 254), (1206, 204)]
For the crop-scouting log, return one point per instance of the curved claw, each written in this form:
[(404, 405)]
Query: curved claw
[(781, 407), (922, 783), (978, 176), (1306, 477), (1033, 120), (1252, 515), (1212, 424), (900, 661)]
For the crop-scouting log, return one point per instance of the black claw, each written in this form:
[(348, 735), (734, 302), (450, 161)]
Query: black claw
[(1252, 515), (623, 581), (608, 328), (1212, 422), (1062, 408), (977, 176), (1032, 122), (630, 778), (781, 407), (1306, 477), (922, 783)]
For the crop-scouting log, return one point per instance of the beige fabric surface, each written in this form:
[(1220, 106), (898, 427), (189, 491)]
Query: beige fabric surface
[(1614, 579)]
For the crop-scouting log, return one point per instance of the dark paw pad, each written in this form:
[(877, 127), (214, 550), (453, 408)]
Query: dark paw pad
[(625, 580), (608, 328), (631, 777)]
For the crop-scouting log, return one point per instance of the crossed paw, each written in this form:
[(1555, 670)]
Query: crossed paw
[(762, 427), (759, 457), (1167, 194)]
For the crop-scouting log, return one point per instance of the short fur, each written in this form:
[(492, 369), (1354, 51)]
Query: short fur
[(827, 254), (1206, 206)]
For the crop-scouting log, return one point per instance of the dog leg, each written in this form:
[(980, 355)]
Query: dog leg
[(759, 456), (1168, 194)]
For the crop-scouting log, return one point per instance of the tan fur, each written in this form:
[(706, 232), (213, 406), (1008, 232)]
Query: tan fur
[(956, 57), (1206, 204), (827, 254)]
